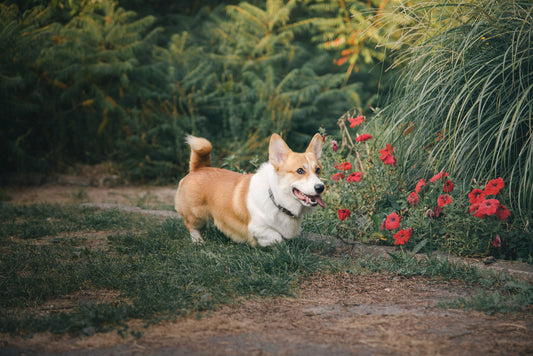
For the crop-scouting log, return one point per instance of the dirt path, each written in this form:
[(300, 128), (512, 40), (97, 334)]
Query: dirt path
[(343, 314), (333, 315)]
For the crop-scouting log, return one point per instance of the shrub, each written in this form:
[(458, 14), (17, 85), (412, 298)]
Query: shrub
[(466, 89), (361, 184), (370, 202)]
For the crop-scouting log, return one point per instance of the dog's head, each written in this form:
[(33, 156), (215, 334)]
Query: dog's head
[(300, 172)]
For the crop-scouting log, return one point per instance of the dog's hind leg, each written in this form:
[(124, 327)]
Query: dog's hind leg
[(196, 237), (194, 229)]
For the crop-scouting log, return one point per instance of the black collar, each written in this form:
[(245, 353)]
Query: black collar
[(282, 209)]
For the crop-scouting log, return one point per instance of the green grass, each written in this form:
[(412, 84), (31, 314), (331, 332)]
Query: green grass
[(151, 267), (67, 269), (512, 297), (39, 220), (495, 293), (405, 264)]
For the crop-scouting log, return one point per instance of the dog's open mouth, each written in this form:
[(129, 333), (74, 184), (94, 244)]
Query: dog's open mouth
[(308, 200)]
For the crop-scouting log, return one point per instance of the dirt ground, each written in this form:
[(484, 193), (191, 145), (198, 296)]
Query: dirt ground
[(343, 314)]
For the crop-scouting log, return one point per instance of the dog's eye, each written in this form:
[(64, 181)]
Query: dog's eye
[(300, 171), (317, 171)]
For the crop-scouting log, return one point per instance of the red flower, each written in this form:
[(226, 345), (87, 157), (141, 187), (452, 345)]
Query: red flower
[(363, 137), (393, 221), (388, 150), (388, 159), (337, 177), (476, 211), (356, 121), (490, 206), (476, 196), (402, 236), (355, 177), (493, 186), (437, 212), (444, 199), (419, 185), (438, 176), (473, 208), (413, 198), (343, 214), (334, 146), (502, 212), (346, 166), (448, 186), (487, 207), (386, 155)]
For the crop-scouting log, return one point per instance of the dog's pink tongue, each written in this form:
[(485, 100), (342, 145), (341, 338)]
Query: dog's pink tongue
[(319, 200)]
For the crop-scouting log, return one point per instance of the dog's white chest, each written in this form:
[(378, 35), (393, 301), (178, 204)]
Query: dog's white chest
[(269, 223)]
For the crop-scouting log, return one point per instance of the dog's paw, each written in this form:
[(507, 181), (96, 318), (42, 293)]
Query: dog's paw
[(196, 237), (269, 241)]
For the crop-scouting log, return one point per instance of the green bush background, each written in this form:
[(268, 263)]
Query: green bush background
[(88, 81), (124, 81)]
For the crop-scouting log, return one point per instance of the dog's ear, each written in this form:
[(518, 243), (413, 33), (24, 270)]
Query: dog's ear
[(277, 150), (315, 146)]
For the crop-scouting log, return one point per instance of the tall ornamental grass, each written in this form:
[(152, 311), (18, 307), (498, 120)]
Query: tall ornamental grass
[(464, 99)]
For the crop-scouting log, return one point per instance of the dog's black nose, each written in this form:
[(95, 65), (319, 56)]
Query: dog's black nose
[(319, 188)]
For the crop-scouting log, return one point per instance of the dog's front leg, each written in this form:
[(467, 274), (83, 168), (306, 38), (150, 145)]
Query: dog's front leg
[(264, 235)]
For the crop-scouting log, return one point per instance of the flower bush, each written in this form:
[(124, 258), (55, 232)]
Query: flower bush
[(461, 222), (361, 185), (368, 201)]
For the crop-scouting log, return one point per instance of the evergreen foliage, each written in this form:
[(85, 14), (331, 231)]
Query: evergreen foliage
[(354, 31), (22, 87), (83, 79), (103, 59), (86, 81)]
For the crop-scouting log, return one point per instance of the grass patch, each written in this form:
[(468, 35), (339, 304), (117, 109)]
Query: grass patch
[(512, 297), (36, 221), (150, 266), (55, 277), (405, 264), (495, 293)]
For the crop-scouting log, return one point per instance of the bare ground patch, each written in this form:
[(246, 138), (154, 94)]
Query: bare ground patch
[(69, 302), (147, 197), (332, 314)]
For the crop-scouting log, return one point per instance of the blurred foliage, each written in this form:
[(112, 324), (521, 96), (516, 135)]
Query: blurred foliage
[(86, 81)]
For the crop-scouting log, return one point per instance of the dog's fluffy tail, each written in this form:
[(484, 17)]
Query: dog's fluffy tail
[(200, 152)]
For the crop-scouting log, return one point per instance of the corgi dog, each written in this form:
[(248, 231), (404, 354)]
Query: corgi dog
[(262, 208)]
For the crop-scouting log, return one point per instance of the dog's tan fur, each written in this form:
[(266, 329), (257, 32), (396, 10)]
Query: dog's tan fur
[(209, 193), (200, 200)]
